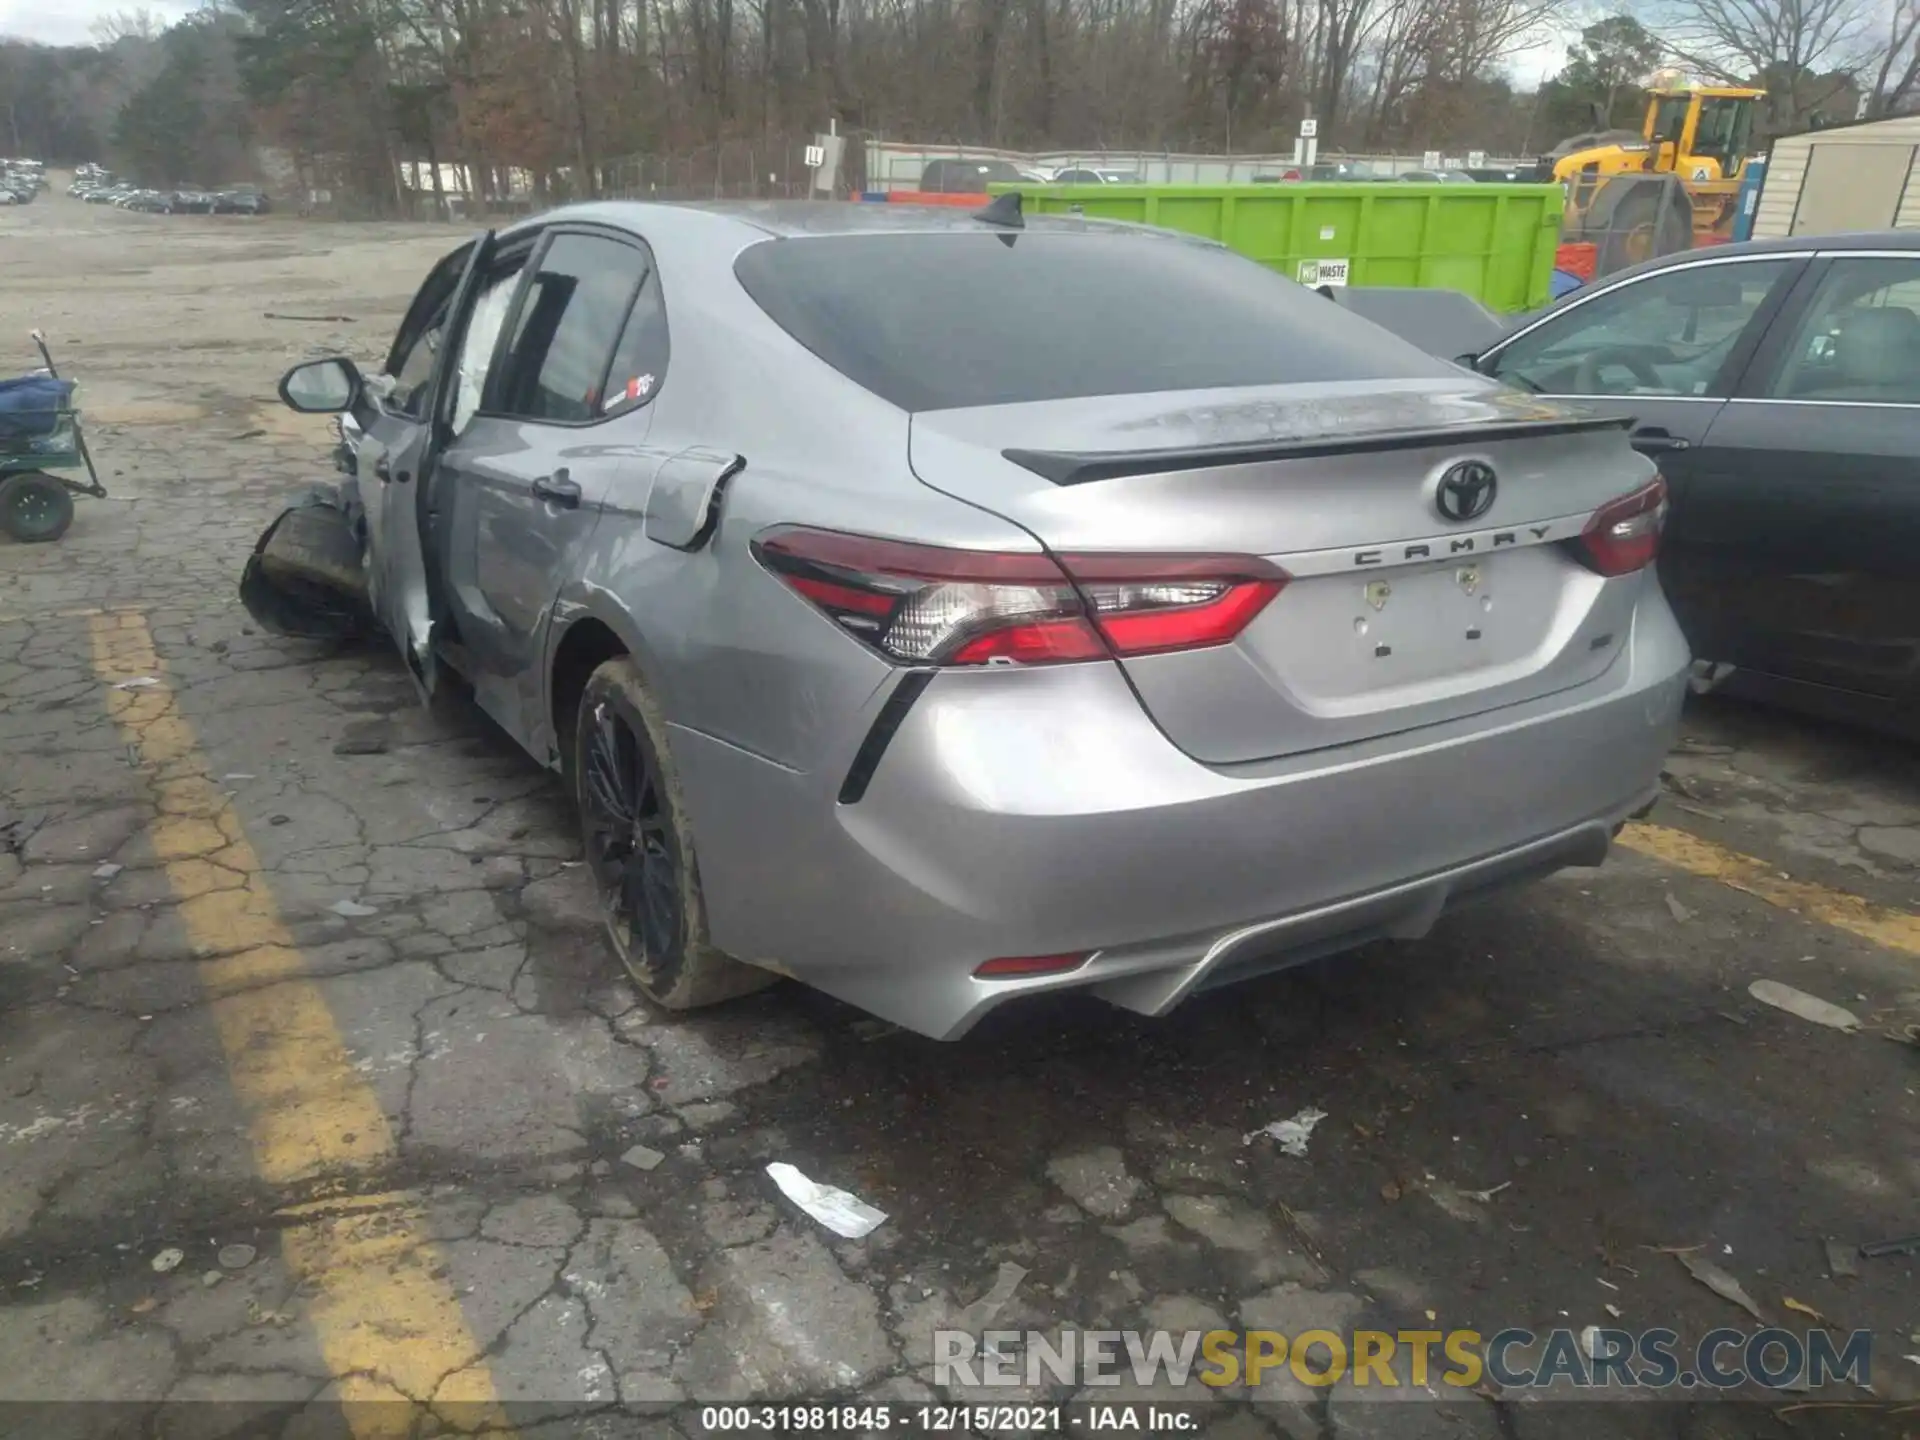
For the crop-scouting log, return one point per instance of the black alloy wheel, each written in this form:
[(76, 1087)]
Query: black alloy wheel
[(630, 840)]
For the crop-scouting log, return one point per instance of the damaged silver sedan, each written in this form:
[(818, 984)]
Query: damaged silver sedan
[(948, 608)]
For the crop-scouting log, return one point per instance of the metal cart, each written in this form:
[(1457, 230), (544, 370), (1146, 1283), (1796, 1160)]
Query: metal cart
[(36, 505)]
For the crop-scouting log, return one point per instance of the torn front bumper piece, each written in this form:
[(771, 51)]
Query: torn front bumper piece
[(306, 577)]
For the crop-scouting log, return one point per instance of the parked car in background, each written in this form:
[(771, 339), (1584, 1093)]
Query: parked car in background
[(1333, 170), (241, 202), (1777, 385), (1090, 175), (968, 177), (1029, 643), (148, 202), (1436, 177), (193, 202)]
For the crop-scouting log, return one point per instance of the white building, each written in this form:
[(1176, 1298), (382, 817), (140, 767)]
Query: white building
[(1863, 176)]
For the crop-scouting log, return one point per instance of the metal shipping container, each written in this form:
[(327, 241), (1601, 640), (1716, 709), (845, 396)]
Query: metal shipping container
[(1493, 242)]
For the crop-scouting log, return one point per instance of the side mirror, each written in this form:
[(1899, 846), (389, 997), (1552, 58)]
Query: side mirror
[(1469, 361), (321, 387)]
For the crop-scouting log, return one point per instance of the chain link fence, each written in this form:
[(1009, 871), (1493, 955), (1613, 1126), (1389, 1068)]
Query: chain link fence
[(771, 167)]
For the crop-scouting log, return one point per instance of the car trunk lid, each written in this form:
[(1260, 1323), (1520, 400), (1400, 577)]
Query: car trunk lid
[(1399, 613)]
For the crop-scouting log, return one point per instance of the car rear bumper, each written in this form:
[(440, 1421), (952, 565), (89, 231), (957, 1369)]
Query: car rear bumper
[(1051, 817)]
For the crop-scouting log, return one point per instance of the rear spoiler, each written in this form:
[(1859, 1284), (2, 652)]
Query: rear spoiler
[(1066, 467)]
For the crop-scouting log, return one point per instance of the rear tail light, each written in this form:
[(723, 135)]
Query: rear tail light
[(1624, 534), (924, 605)]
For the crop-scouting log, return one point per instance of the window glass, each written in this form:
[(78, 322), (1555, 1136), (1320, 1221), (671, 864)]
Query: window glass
[(1669, 334), (572, 313), (418, 344), (1670, 117), (960, 318), (1722, 131), (1860, 340), (410, 380), (640, 357)]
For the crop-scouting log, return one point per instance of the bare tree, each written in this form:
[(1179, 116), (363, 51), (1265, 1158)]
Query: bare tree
[(703, 95), (1896, 81), (138, 24), (1795, 47)]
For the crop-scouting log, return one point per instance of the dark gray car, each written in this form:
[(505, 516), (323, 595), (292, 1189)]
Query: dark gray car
[(1777, 385)]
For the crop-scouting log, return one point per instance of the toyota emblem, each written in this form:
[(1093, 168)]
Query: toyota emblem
[(1466, 491)]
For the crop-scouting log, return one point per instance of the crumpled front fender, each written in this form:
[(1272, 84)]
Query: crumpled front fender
[(307, 577)]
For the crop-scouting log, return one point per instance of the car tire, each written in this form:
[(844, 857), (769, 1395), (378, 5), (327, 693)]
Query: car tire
[(647, 880), (35, 508), (1651, 221)]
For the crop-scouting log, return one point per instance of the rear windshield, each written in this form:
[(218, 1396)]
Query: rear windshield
[(950, 320)]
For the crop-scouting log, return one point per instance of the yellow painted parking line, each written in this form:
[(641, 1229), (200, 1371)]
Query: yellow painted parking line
[(385, 1316), (1895, 929)]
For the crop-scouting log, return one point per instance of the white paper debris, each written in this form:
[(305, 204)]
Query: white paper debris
[(1291, 1135), (846, 1215), (352, 909), (145, 682), (1807, 1007), (168, 1260), (107, 870)]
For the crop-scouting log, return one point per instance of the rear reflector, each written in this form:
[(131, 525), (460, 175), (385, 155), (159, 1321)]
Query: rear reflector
[(1624, 534), (1013, 967), (923, 604)]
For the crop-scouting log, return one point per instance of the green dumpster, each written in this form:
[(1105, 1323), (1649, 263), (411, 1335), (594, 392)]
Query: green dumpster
[(1494, 242)]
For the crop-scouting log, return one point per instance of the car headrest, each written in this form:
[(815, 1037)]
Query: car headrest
[(1878, 345)]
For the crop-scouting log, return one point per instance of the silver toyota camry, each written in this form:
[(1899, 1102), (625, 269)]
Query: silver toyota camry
[(941, 608)]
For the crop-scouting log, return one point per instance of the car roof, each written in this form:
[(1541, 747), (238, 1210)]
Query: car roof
[(792, 219), (1790, 244)]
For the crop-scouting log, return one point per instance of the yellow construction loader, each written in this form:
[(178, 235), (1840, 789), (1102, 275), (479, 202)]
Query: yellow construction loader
[(1671, 184)]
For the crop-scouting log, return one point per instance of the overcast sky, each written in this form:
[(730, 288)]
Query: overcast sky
[(70, 22)]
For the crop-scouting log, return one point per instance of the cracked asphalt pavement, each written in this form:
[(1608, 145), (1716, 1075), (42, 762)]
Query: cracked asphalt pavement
[(321, 1096)]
